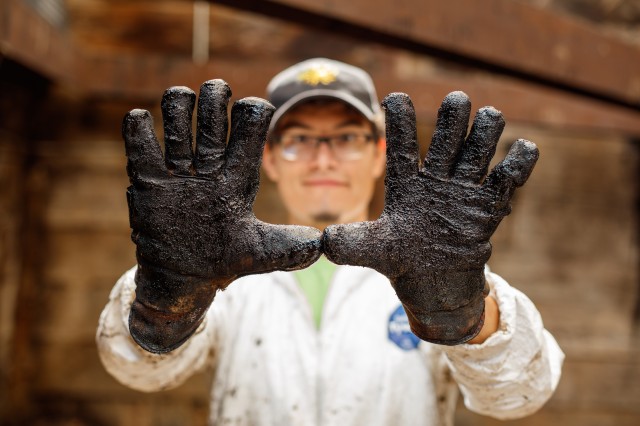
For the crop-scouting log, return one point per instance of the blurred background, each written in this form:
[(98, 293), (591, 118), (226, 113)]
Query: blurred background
[(565, 73)]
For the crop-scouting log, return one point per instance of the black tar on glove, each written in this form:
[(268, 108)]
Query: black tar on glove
[(432, 239), (191, 214)]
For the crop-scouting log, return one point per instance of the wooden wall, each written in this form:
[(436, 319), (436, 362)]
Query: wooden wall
[(571, 244)]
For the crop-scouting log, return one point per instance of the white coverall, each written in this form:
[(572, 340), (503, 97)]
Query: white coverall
[(362, 367)]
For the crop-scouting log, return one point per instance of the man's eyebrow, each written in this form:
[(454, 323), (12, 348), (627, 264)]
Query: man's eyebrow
[(350, 122), (292, 124)]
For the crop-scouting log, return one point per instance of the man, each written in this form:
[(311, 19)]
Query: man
[(326, 345)]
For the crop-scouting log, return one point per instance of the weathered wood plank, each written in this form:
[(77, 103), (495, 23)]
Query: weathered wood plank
[(550, 417), (506, 36), (76, 370), (145, 77)]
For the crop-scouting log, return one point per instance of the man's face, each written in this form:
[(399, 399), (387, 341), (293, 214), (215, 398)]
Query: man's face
[(324, 186)]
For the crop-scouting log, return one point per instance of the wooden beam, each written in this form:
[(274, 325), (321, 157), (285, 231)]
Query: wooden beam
[(144, 78), (504, 36), (28, 39)]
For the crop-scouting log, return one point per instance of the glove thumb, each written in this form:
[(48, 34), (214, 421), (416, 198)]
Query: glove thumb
[(353, 244), (285, 247)]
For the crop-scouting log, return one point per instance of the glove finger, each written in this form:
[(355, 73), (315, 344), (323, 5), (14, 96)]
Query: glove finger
[(480, 146), (355, 244), (212, 128), (177, 110), (449, 135), (511, 173), (250, 119), (281, 248), (402, 143), (144, 155)]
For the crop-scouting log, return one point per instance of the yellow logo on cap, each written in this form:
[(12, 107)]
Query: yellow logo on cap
[(321, 74)]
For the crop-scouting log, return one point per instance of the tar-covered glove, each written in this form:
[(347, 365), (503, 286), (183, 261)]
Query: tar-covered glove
[(191, 214), (432, 238)]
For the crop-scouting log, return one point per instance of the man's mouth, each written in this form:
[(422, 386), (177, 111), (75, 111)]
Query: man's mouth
[(324, 182)]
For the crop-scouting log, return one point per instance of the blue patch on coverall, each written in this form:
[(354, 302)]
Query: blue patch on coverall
[(400, 332)]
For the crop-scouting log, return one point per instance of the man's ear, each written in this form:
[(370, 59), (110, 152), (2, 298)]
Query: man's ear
[(269, 162)]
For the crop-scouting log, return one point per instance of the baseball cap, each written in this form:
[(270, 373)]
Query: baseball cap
[(322, 78)]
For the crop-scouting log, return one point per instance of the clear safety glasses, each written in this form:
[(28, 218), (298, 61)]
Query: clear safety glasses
[(344, 147)]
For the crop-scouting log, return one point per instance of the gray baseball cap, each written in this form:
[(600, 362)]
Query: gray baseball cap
[(322, 78)]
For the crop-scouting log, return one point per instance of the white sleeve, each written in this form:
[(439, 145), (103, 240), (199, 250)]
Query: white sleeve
[(516, 370), (133, 366)]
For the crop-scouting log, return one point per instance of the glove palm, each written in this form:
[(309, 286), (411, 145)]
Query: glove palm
[(191, 213)]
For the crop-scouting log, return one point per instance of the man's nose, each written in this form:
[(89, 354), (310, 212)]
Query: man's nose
[(324, 158)]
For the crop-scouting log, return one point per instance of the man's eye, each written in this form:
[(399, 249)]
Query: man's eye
[(346, 138)]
